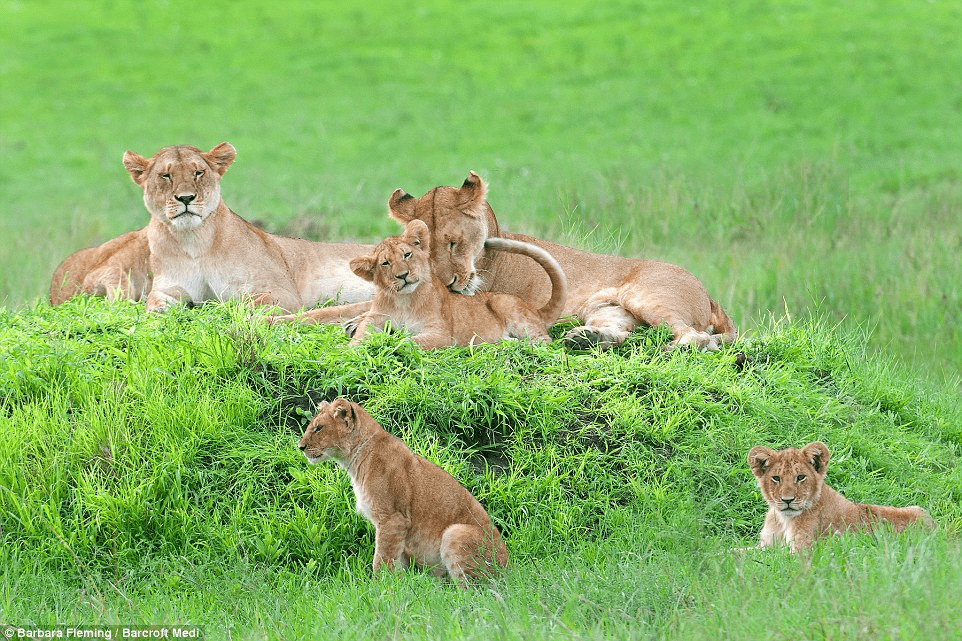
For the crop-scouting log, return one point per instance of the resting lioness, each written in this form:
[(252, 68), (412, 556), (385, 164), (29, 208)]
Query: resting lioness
[(420, 512), (611, 295), (117, 269), (408, 295), (200, 250), (802, 508)]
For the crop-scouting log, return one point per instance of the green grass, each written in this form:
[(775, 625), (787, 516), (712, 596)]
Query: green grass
[(791, 155), (150, 475), (802, 159)]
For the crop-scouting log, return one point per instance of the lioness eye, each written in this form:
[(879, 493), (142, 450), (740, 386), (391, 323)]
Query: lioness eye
[(777, 479), (799, 478), (198, 173), (451, 245), (386, 263), (166, 176), (407, 255)]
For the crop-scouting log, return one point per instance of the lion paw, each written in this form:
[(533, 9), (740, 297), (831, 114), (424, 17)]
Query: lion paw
[(584, 338)]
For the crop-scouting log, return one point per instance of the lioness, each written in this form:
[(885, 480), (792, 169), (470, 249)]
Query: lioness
[(408, 295), (200, 250), (802, 508), (117, 269), (420, 512), (611, 295)]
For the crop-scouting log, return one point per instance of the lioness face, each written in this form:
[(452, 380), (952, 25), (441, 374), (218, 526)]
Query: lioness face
[(181, 184), (790, 480), (328, 433), (457, 220)]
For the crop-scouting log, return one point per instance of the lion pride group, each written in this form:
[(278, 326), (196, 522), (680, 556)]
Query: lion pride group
[(453, 277)]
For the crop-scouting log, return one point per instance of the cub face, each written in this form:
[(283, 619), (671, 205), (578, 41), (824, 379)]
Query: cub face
[(790, 480), (457, 221), (328, 435), (399, 264), (181, 183)]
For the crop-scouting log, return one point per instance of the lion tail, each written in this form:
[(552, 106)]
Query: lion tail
[(724, 329), (552, 309)]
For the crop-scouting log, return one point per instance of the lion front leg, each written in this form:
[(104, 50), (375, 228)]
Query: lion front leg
[(160, 300), (389, 538)]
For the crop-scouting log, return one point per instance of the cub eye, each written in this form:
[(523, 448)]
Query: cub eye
[(776, 479), (407, 255), (198, 173), (386, 263), (165, 176), (451, 245), (800, 478)]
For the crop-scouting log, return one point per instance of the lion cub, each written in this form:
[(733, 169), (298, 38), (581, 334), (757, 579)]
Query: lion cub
[(420, 512), (408, 294), (802, 508)]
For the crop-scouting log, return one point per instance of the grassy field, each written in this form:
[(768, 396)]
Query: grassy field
[(149, 474), (801, 159)]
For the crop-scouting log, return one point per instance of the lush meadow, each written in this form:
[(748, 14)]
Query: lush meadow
[(802, 160)]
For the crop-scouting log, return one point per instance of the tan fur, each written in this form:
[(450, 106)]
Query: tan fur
[(802, 508), (408, 295), (611, 295), (200, 250), (420, 512), (117, 269)]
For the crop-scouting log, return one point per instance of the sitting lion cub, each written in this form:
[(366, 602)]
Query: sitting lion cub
[(420, 513), (802, 508), (408, 294)]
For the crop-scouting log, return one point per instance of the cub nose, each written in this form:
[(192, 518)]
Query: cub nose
[(788, 501), (403, 276), (186, 198), (301, 446)]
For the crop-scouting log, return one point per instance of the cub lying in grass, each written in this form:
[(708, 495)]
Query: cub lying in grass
[(802, 508), (408, 294), (420, 512)]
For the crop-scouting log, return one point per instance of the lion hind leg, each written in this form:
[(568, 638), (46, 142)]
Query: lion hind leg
[(467, 553), (606, 322)]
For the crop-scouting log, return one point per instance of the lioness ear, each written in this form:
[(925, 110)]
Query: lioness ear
[(363, 266), (817, 454), (136, 165), (416, 233), (220, 157), (472, 191), (401, 206), (758, 459)]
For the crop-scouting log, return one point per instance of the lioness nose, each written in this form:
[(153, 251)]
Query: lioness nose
[(186, 198), (403, 276), (301, 446)]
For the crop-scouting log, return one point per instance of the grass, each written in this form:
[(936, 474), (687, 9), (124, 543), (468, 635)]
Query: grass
[(150, 475), (802, 160), (792, 156)]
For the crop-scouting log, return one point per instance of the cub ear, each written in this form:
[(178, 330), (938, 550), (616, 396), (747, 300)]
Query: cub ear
[(472, 191), (401, 206), (221, 157), (344, 411), (322, 406), (363, 266), (416, 233), (136, 165), (758, 459), (818, 455)]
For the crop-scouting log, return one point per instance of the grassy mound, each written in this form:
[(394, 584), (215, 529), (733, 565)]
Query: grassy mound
[(137, 449)]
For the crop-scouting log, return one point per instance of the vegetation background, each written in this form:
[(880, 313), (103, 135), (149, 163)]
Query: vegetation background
[(800, 158)]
